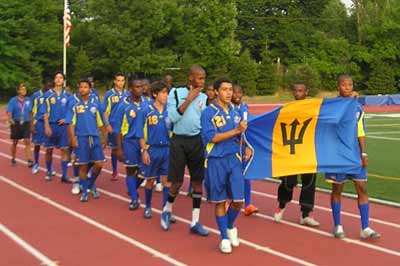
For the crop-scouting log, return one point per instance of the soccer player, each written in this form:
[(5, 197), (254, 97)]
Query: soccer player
[(156, 133), (93, 90), (54, 110), (112, 99), (18, 112), (243, 108), (131, 147), (210, 92), (169, 80), (221, 127), (307, 194), (85, 118), (345, 87)]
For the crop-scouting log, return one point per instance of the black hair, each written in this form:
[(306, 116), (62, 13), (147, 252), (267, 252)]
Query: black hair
[(118, 74), (218, 82), (158, 86), (344, 77), (237, 86), (299, 84), (84, 80), (132, 81), (59, 72)]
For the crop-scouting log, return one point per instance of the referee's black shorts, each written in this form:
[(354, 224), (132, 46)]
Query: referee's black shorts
[(20, 131), (186, 150)]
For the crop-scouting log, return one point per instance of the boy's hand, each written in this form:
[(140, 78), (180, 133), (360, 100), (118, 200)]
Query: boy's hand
[(109, 129), (242, 126), (120, 154), (146, 157), (47, 131), (74, 142), (193, 92), (364, 159), (248, 154), (12, 122)]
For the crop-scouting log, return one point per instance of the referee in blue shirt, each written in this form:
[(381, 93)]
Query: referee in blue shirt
[(185, 105)]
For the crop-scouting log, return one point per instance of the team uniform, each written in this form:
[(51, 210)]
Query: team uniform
[(38, 137), (20, 111)]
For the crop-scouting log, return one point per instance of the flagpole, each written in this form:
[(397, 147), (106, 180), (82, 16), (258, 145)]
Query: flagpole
[(64, 43)]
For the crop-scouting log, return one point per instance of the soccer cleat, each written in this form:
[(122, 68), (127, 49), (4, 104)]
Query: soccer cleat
[(233, 236), (159, 187), (95, 193), (84, 197), (35, 168), (198, 229), (278, 215), (114, 176), (65, 180), (30, 163), (143, 184), (165, 220), (309, 221), (250, 209), (368, 233), (75, 188), (225, 246), (48, 176), (13, 162), (338, 232), (134, 205), (173, 219), (53, 173), (148, 213)]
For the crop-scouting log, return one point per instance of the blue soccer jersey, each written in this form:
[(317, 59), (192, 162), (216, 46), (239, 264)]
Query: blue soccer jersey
[(157, 126), (37, 102), (20, 110), (242, 108), (112, 100), (55, 105), (130, 120)]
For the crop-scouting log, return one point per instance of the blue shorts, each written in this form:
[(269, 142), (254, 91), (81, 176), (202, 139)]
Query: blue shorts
[(59, 138), (224, 179), (159, 159), (89, 150), (112, 140), (131, 149), (39, 137), (341, 178)]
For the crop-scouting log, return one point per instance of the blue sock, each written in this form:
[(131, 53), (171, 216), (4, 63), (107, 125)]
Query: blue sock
[(84, 183), (190, 188), (222, 222), (130, 182), (49, 166), (114, 161), (247, 192), (92, 179), (232, 215), (336, 208), (64, 167), (36, 156), (164, 195), (90, 166), (148, 193), (364, 213), (158, 180), (75, 169)]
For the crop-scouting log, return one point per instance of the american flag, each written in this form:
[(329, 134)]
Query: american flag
[(67, 24)]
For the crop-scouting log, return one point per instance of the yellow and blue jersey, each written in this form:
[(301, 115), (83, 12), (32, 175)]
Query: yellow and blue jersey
[(361, 129), (157, 126), (112, 100), (130, 121), (20, 110), (242, 108), (55, 105), (38, 101), (216, 120)]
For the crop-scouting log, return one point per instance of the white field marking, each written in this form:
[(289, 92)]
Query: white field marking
[(264, 104), (387, 115), (45, 261), (383, 125), (382, 132), (384, 138), (215, 231), (94, 223)]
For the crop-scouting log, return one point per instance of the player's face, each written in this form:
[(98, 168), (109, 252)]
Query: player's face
[(119, 82), (47, 86), (162, 96), (237, 95), (299, 92), (59, 80), (224, 93), (84, 89), (346, 88), (198, 79), (22, 91), (136, 88), (210, 92), (146, 88)]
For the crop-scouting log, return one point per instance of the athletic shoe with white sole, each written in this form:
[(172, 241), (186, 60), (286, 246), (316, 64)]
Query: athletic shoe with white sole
[(159, 187), (75, 188), (233, 236), (369, 233), (309, 221), (278, 215), (338, 232), (225, 246)]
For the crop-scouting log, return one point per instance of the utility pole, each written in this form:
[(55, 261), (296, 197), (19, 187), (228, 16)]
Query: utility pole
[(357, 6)]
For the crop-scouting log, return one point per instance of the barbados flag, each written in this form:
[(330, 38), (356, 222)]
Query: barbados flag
[(306, 136)]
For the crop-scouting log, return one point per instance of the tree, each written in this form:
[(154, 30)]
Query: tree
[(244, 71), (82, 67), (267, 75), (382, 79), (306, 75)]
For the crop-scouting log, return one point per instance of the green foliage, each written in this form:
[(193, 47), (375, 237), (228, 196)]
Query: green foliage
[(306, 75), (82, 67), (382, 80), (244, 71), (267, 75)]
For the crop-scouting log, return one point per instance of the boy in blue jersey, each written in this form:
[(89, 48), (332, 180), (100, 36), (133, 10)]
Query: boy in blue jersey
[(18, 112), (85, 117), (54, 109), (131, 147), (345, 86), (243, 110), (112, 99), (156, 134), (221, 127), (37, 125)]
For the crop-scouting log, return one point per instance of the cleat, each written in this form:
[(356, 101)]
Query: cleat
[(225, 246), (165, 220), (368, 233), (233, 236), (148, 213), (13, 162), (53, 173), (338, 232), (159, 187), (143, 184), (250, 209), (84, 197), (114, 176), (198, 229), (65, 180), (172, 219), (75, 188), (278, 215), (309, 221), (48, 176), (134, 205), (95, 193), (35, 168), (30, 163)]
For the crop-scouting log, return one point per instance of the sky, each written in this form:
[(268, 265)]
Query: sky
[(347, 2)]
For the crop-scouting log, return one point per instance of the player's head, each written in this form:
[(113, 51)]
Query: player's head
[(197, 76), (237, 94), (210, 92), (48, 84), (119, 81), (159, 91), (223, 89), (91, 81), (345, 86), (84, 87), (135, 87), (146, 87), (59, 79), (22, 89), (299, 91), (168, 79)]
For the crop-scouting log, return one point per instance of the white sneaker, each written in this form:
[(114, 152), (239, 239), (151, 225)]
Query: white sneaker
[(159, 187), (278, 215), (338, 232), (225, 246), (309, 221), (233, 236), (75, 188), (143, 184), (368, 233)]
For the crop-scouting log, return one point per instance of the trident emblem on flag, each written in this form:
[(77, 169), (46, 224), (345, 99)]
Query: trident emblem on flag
[(293, 140)]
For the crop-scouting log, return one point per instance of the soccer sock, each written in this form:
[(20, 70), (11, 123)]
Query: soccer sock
[(165, 195), (130, 182), (84, 183), (36, 154), (170, 202), (90, 166), (49, 166), (282, 205), (190, 190), (64, 167), (364, 213), (75, 169), (222, 222), (232, 215), (195, 216), (92, 179), (247, 192), (158, 180), (336, 207), (148, 193), (196, 197), (114, 161)]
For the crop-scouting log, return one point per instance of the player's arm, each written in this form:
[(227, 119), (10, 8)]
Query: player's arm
[(106, 112), (361, 139), (10, 112), (70, 119), (121, 131), (46, 111), (10, 119), (143, 150)]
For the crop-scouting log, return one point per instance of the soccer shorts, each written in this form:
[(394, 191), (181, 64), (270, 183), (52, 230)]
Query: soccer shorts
[(39, 137), (341, 178), (132, 154), (159, 158), (59, 137), (89, 150), (20, 131)]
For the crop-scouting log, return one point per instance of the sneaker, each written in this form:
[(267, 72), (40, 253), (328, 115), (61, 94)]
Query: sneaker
[(233, 236), (84, 197), (54, 173), (95, 193), (30, 163), (172, 219), (35, 168), (148, 213), (48, 176), (338, 232), (278, 215), (368, 233), (13, 162), (134, 205), (198, 229), (114, 176), (165, 220), (75, 188), (225, 246), (250, 209), (69, 164), (309, 221), (143, 184), (65, 180), (159, 187)]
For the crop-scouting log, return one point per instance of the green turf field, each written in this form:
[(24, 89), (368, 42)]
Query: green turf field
[(383, 146)]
